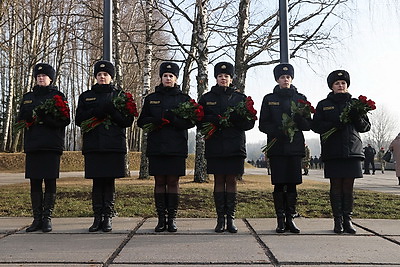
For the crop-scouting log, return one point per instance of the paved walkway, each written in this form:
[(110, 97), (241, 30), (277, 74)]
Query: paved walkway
[(134, 243)]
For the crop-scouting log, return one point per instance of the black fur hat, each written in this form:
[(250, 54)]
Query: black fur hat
[(169, 67), (44, 68), (283, 69), (338, 75), (224, 67), (106, 66)]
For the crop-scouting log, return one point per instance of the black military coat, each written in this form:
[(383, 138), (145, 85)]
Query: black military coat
[(229, 141), (273, 106), (346, 141), (105, 137), (48, 134), (170, 139)]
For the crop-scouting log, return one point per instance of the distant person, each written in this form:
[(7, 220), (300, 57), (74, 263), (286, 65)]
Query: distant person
[(285, 155), (369, 153), (43, 144), (342, 150), (395, 148), (104, 146), (320, 162), (167, 148), (382, 162), (306, 160), (225, 149), (316, 162)]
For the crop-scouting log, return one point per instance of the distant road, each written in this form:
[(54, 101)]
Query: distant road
[(386, 183)]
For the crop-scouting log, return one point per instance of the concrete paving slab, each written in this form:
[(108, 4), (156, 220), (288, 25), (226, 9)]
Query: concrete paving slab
[(198, 249), (324, 226), (380, 226), (9, 224), (338, 249), (191, 226), (50, 265), (121, 225), (58, 248), (193, 265)]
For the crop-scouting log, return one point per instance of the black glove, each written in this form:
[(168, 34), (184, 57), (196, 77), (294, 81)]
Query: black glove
[(354, 115), (41, 113), (169, 115), (338, 124), (235, 117), (109, 108), (298, 119), (99, 113)]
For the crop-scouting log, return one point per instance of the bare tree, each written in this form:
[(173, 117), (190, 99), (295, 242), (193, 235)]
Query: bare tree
[(384, 127)]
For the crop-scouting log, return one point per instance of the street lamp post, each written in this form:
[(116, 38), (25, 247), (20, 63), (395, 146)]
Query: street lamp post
[(107, 30), (283, 31)]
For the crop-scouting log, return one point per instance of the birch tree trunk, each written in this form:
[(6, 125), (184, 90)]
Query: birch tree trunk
[(201, 31), (144, 161), (242, 45), (11, 92)]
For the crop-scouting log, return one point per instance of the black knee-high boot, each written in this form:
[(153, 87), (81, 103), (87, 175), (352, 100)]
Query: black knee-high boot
[(160, 202), (291, 201), (337, 211), (108, 210), (219, 200), (37, 210), (172, 208), (279, 204), (97, 206), (347, 213), (48, 206), (230, 206)]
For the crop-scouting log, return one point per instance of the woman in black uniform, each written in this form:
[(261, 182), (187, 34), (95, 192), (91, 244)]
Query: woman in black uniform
[(104, 146), (225, 150), (341, 151), (285, 156), (166, 143), (43, 144)]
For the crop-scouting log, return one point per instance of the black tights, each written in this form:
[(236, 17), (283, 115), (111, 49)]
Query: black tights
[(49, 186), (104, 185), (290, 188), (166, 184), (225, 183), (342, 186)]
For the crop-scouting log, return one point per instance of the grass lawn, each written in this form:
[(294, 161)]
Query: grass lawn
[(135, 198)]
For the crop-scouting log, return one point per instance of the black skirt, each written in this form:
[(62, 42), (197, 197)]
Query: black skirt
[(104, 165), (343, 168), (225, 165), (286, 170), (42, 165), (167, 165)]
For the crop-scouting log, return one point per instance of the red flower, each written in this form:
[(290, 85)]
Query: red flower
[(190, 110), (123, 102), (362, 106), (245, 109)]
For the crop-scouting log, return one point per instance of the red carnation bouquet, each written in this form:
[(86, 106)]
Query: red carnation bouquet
[(56, 106), (362, 106), (189, 110), (244, 108), (302, 108), (123, 102)]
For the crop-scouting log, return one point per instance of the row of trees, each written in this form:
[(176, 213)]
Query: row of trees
[(68, 35)]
